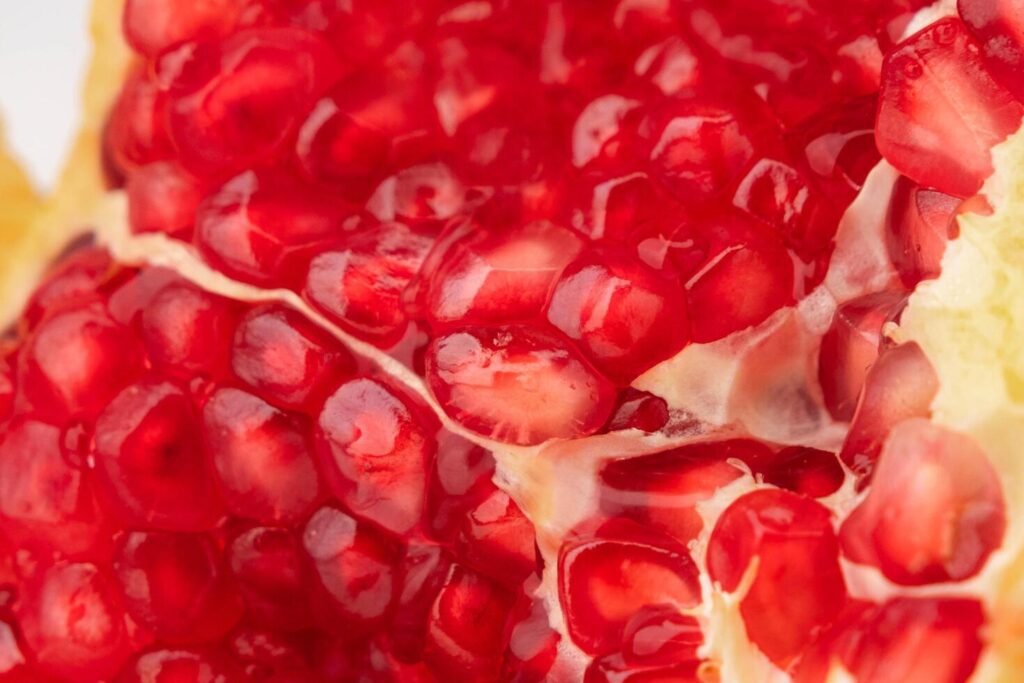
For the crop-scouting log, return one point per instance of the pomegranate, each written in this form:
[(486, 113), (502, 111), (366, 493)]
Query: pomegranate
[(549, 340)]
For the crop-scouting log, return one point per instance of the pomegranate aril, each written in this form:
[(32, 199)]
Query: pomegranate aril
[(809, 471), (74, 623), (499, 274), (263, 458), (163, 198), (378, 119), (741, 278), (135, 134), (660, 635), (497, 540), (461, 476), (180, 666), (906, 640), (783, 197), (259, 83), (268, 566), (662, 490), (286, 359), (700, 148), (639, 410), (76, 279), (798, 588), (264, 229), (355, 569), (934, 512), (625, 316), (997, 26), (466, 627), (6, 388), (532, 642), (427, 195), (612, 669), (151, 463), (187, 331), (918, 225), (424, 570), (940, 111), (838, 147), (47, 504), (359, 283), (517, 384), (74, 362), (900, 385), (177, 586), (605, 134), (850, 347), (608, 574), (152, 26), (376, 445)]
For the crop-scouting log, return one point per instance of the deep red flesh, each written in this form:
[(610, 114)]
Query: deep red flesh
[(530, 206)]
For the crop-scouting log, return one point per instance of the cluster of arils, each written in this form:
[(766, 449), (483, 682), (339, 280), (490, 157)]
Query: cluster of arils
[(530, 204)]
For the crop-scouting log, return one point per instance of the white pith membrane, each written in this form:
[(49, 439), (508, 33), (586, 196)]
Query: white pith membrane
[(969, 322)]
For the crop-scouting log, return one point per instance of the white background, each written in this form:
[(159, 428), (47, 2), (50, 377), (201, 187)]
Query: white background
[(43, 53)]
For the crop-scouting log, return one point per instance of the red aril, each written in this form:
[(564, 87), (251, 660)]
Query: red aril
[(46, 503), (359, 283), (152, 26), (935, 511), (662, 490), (187, 331), (135, 134), (639, 410), (850, 347), (918, 225), (264, 230), (497, 540), (424, 570), (997, 26), (901, 384), (940, 110), (499, 274), (465, 630), (151, 463), (517, 384), (375, 448), (286, 359), (179, 666), (77, 278), (354, 566), (809, 471), (163, 198), (610, 572), (74, 622), (257, 84), (797, 587), (177, 586), (624, 315), (267, 565), (532, 643), (738, 280), (460, 478), (74, 362), (262, 456)]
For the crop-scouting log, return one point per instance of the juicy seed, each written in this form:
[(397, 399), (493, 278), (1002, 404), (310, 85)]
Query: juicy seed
[(151, 463), (263, 458), (267, 564), (935, 511), (625, 316), (918, 225), (608, 575), (940, 110), (517, 384), (177, 586), (375, 448), (797, 588)]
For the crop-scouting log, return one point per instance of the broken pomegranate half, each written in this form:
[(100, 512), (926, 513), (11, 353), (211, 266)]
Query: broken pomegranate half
[(548, 340)]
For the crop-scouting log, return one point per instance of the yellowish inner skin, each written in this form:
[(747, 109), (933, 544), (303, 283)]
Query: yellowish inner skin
[(970, 322)]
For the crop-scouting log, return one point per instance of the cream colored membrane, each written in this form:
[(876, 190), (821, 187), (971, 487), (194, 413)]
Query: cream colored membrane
[(556, 483)]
